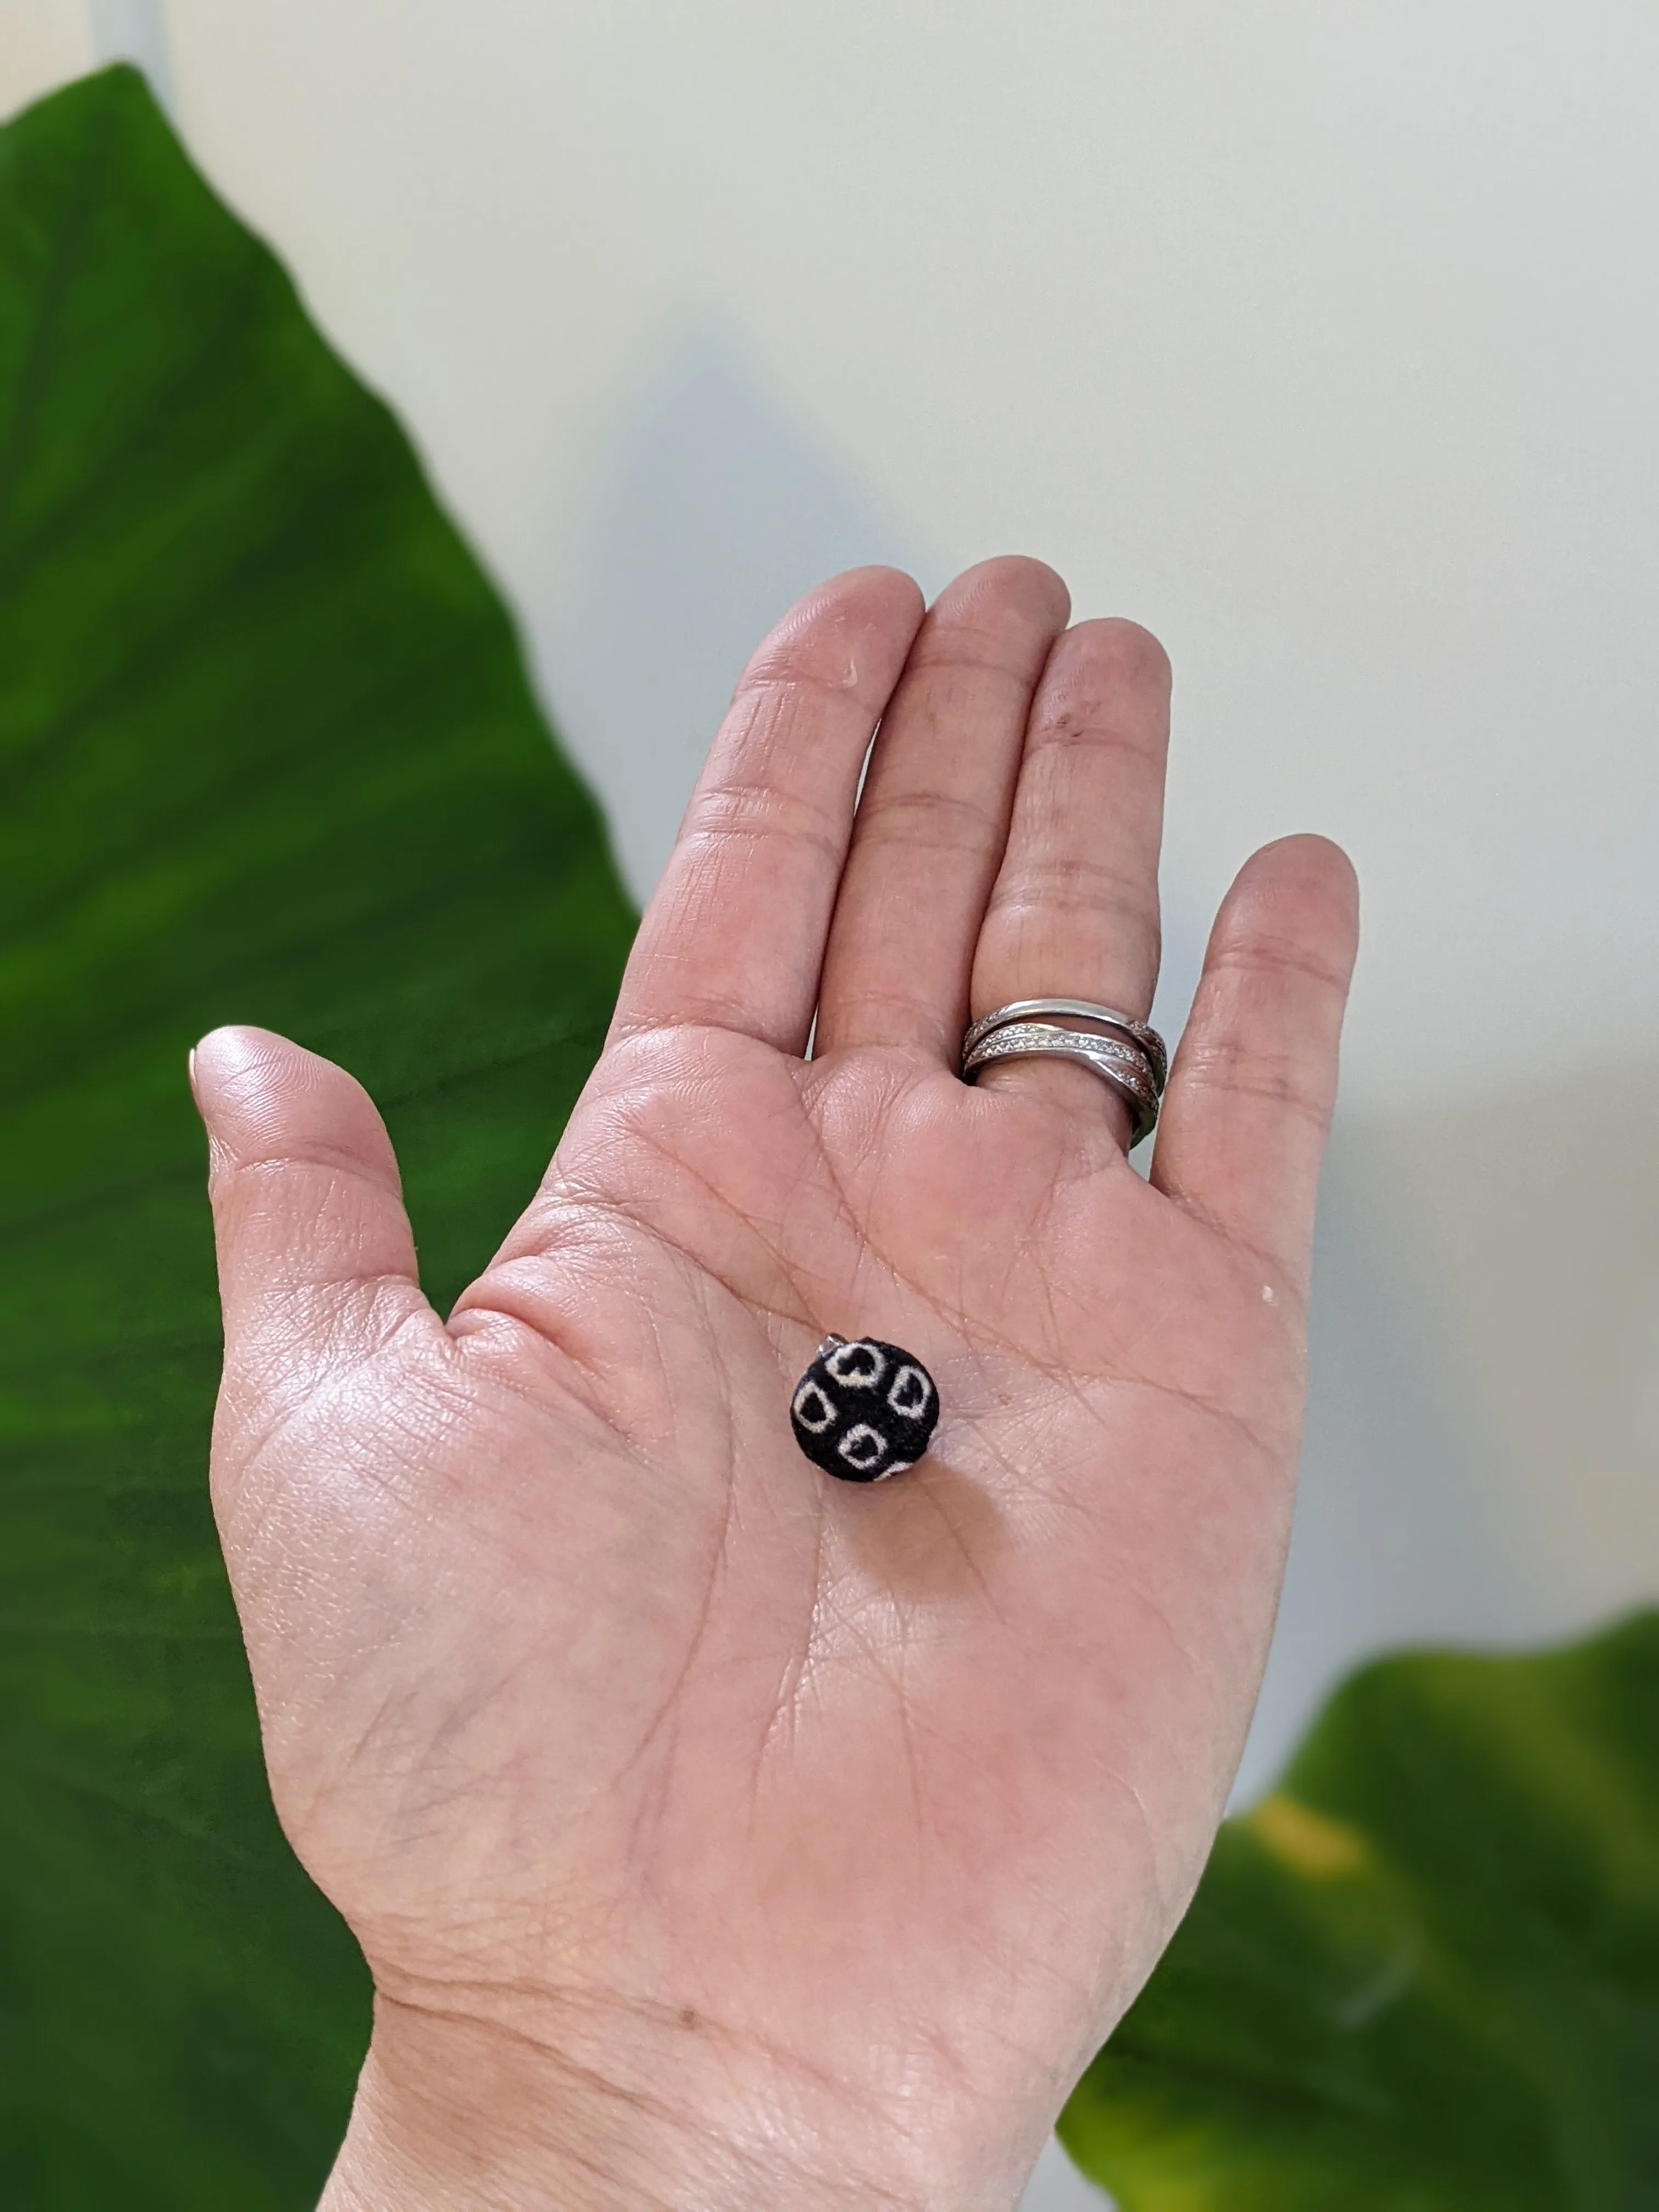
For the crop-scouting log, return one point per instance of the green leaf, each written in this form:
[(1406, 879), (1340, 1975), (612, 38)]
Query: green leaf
[(267, 754), (1423, 1975)]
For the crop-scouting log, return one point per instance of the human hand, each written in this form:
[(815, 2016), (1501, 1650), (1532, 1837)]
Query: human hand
[(719, 1835)]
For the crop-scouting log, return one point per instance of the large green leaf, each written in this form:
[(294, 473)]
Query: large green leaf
[(267, 753), (1423, 1975)]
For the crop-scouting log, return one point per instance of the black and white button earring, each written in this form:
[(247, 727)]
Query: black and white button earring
[(864, 1409)]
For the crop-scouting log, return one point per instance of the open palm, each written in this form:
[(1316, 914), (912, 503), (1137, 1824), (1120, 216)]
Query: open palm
[(718, 1834)]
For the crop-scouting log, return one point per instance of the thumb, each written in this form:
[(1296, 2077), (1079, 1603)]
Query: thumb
[(316, 1258)]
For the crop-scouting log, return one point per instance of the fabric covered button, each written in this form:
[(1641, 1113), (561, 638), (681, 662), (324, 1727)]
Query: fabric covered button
[(864, 1410)]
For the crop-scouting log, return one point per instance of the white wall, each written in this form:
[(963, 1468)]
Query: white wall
[(41, 43), (1316, 335), (1322, 335)]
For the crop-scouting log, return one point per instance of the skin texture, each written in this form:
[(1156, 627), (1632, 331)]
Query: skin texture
[(719, 1835)]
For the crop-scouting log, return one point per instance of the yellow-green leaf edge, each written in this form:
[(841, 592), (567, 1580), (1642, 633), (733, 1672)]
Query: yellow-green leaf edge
[(1423, 1974)]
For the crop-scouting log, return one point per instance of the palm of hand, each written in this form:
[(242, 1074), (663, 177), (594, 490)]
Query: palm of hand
[(806, 1812)]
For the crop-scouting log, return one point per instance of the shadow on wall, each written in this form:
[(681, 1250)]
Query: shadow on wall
[(1399, 1534), (706, 511), (1482, 1454), (134, 31)]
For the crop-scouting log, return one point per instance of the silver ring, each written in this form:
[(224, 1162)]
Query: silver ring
[(1075, 1009), (1127, 1068)]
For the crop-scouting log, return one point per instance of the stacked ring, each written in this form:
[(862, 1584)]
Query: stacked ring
[(1078, 1010), (1134, 1061)]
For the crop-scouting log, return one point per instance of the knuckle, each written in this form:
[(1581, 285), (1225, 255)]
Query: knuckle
[(778, 680), (952, 657), (748, 811), (1238, 1072), (1271, 958), (936, 820), (1072, 886)]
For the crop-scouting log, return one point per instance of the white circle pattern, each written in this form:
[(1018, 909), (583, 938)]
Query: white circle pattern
[(864, 1409)]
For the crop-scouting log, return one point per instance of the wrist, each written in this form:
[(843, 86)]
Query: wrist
[(456, 2115)]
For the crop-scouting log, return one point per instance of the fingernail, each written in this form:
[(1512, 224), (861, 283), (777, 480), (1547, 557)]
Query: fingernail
[(190, 1068)]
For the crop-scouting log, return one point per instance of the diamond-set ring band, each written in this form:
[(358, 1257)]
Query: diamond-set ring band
[(1135, 1069), (1075, 1009)]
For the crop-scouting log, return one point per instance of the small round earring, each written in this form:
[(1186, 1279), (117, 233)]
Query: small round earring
[(864, 1409)]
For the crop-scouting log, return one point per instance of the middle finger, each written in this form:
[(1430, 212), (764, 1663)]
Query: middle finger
[(933, 816)]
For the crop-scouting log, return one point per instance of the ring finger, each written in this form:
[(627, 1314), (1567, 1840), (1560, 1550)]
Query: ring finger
[(1074, 911)]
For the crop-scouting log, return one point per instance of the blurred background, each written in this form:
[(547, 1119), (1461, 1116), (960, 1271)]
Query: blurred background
[(1315, 335)]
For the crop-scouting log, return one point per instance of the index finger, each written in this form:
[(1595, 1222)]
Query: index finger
[(734, 936)]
